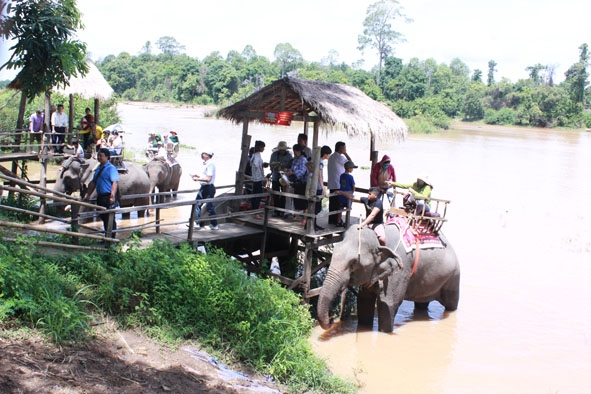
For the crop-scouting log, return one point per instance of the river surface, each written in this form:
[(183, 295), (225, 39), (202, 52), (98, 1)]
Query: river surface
[(520, 222)]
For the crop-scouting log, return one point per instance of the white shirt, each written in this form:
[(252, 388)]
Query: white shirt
[(79, 152), (208, 169), (336, 166), (59, 120), (256, 163), (117, 145)]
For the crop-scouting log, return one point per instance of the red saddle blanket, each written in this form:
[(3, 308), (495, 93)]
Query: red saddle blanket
[(410, 238)]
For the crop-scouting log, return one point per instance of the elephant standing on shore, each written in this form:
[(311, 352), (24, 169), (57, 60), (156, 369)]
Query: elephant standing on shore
[(383, 274), (76, 174), (163, 176)]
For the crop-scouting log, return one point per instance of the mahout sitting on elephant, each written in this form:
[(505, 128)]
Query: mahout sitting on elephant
[(76, 174), (387, 275)]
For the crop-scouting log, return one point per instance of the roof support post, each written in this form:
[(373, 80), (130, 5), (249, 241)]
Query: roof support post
[(243, 157)]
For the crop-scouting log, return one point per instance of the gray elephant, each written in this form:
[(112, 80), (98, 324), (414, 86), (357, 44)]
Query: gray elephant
[(163, 176), (383, 274), (76, 175)]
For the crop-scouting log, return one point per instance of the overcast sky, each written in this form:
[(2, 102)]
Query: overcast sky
[(514, 33)]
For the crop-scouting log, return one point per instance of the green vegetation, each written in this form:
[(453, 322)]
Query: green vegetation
[(173, 293), (9, 104), (433, 92)]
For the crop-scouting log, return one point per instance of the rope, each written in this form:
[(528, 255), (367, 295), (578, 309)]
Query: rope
[(359, 239)]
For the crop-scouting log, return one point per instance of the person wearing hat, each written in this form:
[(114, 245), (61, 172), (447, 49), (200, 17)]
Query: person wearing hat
[(174, 137), (280, 161), (206, 178), (419, 190)]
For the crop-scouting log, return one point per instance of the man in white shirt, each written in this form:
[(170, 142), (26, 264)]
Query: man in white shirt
[(116, 144), (59, 124), (336, 166), (206, 177)]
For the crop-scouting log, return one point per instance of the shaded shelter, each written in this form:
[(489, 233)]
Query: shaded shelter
[(93, 85), (330, 105), (325, 104)]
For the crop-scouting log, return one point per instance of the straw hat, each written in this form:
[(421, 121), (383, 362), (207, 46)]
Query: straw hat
[(282, 145)]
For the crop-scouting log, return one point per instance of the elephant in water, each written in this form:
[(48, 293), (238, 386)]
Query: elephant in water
[(383, 274), (164, 176), (76, 174)]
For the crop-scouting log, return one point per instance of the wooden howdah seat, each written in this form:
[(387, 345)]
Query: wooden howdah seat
[(420, 221)]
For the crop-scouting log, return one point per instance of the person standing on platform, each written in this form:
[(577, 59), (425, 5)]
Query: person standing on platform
[(336, 166), (206, 177), (303, 142), (86, 128), (325, 153), (280, 161), (258, 175), (106, 182), (59, 125), (36, 130)]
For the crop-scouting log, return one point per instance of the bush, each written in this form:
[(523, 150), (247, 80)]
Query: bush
[(174, 292), (504, 116)]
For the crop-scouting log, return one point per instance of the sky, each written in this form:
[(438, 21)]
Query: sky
[(514, 33)]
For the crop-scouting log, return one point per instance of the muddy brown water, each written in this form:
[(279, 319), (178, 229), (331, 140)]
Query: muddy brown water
[(520, 224)]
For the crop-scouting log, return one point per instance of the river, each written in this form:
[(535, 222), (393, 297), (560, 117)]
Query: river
[(520, 224)]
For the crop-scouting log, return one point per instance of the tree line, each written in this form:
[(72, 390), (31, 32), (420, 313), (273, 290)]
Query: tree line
[(419, 88)]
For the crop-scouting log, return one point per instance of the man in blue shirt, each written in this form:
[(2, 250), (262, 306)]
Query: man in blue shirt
[(105, 181)]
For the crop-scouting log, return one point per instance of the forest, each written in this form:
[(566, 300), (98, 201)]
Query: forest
[(423, 90)]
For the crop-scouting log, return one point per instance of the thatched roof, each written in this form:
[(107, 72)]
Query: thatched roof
[(92, 85), (335, 104)]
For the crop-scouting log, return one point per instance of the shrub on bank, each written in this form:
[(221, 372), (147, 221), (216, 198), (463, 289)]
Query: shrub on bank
[(175, 292)]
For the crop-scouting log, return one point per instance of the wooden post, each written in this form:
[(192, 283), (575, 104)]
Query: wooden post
[(243, 158), (43, 183), (68, 136), (75, 227), (96, 111), (307, 274), (313, 184), (20, 122)]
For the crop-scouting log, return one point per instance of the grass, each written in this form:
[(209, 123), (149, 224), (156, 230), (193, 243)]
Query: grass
[(174, 293)]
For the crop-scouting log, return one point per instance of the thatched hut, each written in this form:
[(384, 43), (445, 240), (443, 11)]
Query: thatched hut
[(323, 103), (90, 86)]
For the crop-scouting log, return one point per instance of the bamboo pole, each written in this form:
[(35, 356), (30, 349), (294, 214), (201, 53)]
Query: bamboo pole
[(58, 245), (55, 231), (70, 201), (34, 186)]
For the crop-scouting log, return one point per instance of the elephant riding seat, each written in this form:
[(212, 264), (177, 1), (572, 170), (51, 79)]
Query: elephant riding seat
[(387, 275)]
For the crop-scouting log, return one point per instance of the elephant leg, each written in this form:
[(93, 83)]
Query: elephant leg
[(386, 314), (450, 293), (366, 304), (422, 306)]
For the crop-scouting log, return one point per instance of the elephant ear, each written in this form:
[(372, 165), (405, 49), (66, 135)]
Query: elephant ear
[(388, 262)]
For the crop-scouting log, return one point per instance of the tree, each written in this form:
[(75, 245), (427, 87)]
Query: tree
[(477, 75), (378, 32), (536, 74), (169, 45), (577, 75), (44, 50), (490, 78), (147, 48), (287, 55)]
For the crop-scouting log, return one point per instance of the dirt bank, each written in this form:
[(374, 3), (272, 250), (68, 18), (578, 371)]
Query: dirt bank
[(116, 361)]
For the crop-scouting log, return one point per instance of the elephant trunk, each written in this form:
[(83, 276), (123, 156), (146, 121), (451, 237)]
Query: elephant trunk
[(333, 284)]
